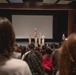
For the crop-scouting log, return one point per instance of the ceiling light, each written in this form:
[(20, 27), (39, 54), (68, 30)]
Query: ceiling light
[(64, 2)]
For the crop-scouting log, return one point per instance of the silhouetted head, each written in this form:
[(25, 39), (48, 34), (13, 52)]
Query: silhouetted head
[(7, 37), (31, 46), (48, 51)]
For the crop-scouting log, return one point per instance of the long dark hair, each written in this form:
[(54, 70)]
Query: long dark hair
[(7, 37), (67, 63)]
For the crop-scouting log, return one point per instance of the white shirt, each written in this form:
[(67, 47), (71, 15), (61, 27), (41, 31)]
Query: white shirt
[(14, 67), (16, 55)]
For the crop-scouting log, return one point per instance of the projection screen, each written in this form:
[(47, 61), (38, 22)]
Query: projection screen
[(24, 25)]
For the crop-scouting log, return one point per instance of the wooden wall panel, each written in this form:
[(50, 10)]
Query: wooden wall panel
[(70, 21)]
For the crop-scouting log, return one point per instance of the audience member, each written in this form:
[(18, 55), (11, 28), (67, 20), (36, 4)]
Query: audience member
[(23, 50), (55, 57), (34, 60), (16, 54), (9, 65), (47, 61), (43, 51), (67, 63)]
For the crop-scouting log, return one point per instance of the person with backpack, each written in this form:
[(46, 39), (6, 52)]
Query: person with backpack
[(34, 60)]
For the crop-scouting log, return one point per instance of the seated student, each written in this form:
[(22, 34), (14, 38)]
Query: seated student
[(23, 50), (16, 54), (67, 61), (9, 65), (55, 57), (47, 61), (34, 60)]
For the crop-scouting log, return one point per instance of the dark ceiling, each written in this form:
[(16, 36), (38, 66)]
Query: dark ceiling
[(52, 4), (43, 1)]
